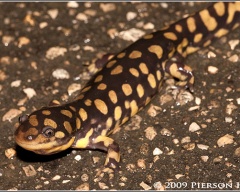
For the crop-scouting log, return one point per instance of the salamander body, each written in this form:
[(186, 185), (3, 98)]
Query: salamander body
[(123, 86)]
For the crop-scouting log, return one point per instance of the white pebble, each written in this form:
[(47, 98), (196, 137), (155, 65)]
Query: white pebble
[(131, 34), (78, 157), (54, 52), (30, 92), (204, 158), (131, 15), (43, 25), (225, 140), (228, 119), (73, 88), (72, 4), (202, 146), (212, 69), (157, 151), (194, 127), (16, 83), (53, 13), (56, 177), (60, 74)]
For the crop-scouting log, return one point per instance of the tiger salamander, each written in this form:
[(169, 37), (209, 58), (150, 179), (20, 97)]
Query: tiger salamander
[(123, 86)]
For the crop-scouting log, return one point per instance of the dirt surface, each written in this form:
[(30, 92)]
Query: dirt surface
[(189, 146)]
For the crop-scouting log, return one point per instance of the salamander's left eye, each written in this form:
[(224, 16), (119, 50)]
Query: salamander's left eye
[(48, 132)]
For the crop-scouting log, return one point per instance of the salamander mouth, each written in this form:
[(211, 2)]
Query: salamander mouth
[(46, 148)]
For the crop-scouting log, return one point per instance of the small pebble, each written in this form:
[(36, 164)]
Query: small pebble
[(131, 15), (233, 43), (237, 152), (132, 34), (234, 58), (150, 133), (204, 158), (30, 92), (16, 83), (12, 113), (203, 147), (179, 176), (72, 4), (165, 132), (73, 88), (106, 7), (194, 127), (145, 186), (29, 170), (141, 163), (54, 52), (212, 69), (157, 151), (60, 74), (56, 177), (228, 119), (78, 157), (225, 140), (23, 41), (10, 153), (53, 13), (186, 140), (84, 186)]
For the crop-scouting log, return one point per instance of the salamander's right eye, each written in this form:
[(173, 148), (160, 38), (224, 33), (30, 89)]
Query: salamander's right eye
[(48, 132), (22, 118)]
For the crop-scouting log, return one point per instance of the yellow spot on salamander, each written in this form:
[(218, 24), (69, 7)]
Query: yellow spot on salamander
[(127, 104), (170, 35), (197, 37), (73, 108), (88, 102), (109, 122), (134, 72), (117, 113), (152, 80), (101, 106), (83, 114), (178, 28), (59, 134), (113, 96), (33, 120), (117, 70), (68, 126), (102, 86), (46, 112), (157, 50), (209, 21), (67, 113), (111, 63), (221, 32), (127, 89), (149, 36), (50, 122), (83, 143), (135, 54), (143, 68), (158, 74), (191, 24), (78, 123), (140, 90), (219, 8), (98, 78), (86, 89), (134, 107), (121, 55)]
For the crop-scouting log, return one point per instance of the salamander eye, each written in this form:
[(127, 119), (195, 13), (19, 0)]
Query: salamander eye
[(48, 132), (23, 118)]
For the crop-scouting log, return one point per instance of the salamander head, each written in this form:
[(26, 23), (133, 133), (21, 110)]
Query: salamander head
[(46, 131)]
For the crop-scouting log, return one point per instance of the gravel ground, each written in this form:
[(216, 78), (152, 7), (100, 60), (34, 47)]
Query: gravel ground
[(46, 50)]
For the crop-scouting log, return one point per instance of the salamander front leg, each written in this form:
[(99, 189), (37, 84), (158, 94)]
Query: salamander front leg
[(113, 156), (184, 73)]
